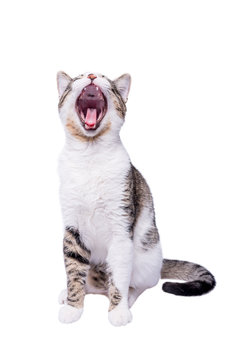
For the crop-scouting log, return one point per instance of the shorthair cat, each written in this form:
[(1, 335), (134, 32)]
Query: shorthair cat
[(111, 244)]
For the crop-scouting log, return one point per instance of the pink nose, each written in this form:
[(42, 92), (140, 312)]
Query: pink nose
[(91, 76)]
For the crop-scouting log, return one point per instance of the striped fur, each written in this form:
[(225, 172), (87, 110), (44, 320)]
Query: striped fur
[(76, 257), (199, 280), (114, 296), (111, 243)]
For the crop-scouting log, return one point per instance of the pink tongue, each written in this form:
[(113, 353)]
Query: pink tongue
[(91, 117)]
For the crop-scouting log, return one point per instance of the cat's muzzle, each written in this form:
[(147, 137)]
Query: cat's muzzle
[(91, 107)]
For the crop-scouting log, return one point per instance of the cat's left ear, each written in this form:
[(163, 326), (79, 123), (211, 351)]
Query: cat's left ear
[(62, 82), (123, 84)]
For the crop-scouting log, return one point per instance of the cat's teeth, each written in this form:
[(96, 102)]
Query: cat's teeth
[(96, 88), (99, 116)]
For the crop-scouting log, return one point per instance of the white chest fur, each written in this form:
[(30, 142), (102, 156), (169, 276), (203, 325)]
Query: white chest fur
[(93, 179)]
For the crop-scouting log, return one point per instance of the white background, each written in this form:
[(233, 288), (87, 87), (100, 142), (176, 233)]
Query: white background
[(181, 131)]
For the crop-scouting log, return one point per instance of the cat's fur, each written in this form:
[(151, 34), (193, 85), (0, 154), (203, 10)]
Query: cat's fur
[(111, 242)]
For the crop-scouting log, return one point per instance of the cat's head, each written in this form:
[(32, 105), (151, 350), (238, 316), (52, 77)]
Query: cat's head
[(91, 105)]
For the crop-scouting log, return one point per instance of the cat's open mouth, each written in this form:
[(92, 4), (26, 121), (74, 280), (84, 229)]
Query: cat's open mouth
[(91, 106)]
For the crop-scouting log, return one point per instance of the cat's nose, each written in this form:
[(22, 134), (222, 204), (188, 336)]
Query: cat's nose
[(92, 76)]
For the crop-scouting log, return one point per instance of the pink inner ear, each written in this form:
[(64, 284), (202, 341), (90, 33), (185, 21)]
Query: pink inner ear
[(62, 82), (123, 85)]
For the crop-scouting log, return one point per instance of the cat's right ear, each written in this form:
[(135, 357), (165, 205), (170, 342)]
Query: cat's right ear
[(123, 84), (62, 82)]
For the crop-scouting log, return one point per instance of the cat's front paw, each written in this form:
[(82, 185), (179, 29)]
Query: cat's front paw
[(120, 316), (69, 314), (62, 298)]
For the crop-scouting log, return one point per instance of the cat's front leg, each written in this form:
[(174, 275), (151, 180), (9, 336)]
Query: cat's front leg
[(76, 258), (119, 261)]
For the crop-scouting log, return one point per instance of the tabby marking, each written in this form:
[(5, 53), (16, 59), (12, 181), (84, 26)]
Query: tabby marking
[(114, 296), (76, 257)]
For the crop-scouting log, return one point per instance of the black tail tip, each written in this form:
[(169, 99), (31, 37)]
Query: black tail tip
[(192, 288)]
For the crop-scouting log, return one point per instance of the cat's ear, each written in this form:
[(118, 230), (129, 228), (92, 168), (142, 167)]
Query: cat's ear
[(62, 82), (123, 84)]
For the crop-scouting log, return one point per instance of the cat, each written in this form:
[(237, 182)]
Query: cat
[(111, 244)]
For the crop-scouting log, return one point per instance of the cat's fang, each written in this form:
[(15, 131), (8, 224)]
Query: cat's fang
[(91, 107)]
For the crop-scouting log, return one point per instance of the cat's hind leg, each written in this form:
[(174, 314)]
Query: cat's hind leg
[(133, 295), (147, 265), (96, 283), (97, 280)]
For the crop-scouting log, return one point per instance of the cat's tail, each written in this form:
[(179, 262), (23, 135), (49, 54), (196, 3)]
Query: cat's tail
[(199, 280)]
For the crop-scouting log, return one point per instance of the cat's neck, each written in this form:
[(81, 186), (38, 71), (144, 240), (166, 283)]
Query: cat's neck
[(101, 152), (99, 144)]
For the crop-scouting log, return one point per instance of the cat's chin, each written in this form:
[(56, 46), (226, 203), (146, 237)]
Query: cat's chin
[(91, 107), (90, 129)]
